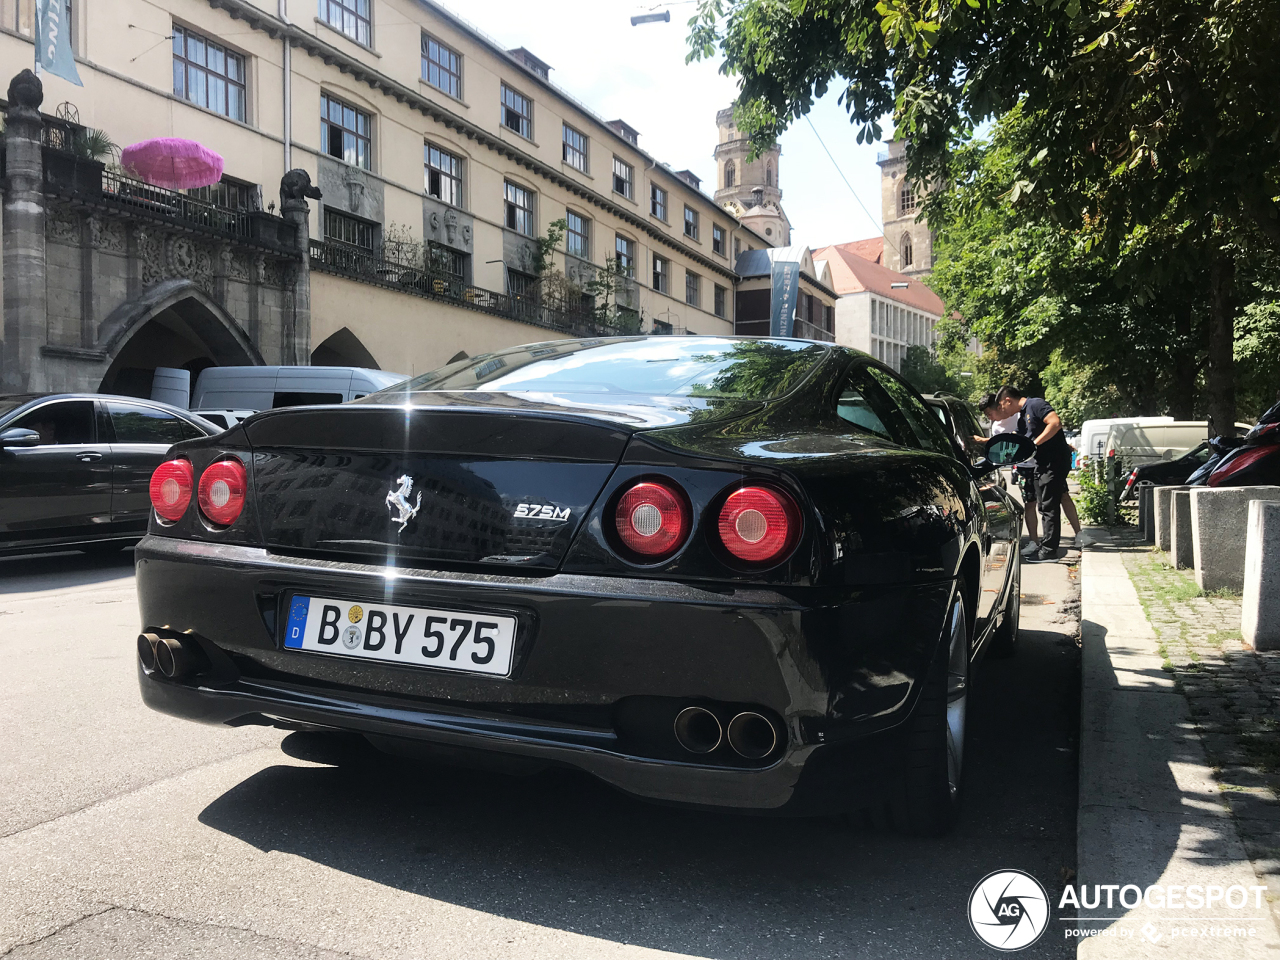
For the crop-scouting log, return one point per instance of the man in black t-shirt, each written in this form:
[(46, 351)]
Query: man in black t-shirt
[(1037, 420)]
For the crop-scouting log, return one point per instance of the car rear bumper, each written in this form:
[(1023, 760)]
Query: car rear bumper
[(601, 665)]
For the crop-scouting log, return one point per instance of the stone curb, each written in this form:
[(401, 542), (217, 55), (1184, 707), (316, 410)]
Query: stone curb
[(1150, 811)]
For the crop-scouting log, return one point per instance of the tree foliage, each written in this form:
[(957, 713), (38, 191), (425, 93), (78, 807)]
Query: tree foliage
[(1141, 154)]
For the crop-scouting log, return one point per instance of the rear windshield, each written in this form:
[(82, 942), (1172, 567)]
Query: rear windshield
[(651, 367)]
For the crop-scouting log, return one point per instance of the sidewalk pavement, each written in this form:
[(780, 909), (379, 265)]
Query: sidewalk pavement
[(1151, 811)]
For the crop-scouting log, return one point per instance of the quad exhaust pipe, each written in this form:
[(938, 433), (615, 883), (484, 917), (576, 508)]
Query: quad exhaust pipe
[(172, 659), (698, 730), (750, 735)]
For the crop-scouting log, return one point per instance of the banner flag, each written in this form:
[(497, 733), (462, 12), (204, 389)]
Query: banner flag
[(53, 41)]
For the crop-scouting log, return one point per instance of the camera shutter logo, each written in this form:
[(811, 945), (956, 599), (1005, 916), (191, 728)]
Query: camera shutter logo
[(1008, 910)]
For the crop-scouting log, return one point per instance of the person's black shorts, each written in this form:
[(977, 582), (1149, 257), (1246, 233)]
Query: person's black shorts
[(1027, 484)]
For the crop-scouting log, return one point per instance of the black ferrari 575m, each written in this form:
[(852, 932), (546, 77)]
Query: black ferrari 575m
[(750, 573)]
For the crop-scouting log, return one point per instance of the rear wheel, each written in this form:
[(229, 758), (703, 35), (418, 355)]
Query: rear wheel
[(1004, 642), (934, 754)]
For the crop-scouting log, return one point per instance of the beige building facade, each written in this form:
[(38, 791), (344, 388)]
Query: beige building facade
[(880, 311), (909, 242), (748, 188), (423, 136)]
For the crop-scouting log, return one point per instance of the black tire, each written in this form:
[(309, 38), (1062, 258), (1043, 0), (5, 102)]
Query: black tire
[(1004, 642), (929, 799)]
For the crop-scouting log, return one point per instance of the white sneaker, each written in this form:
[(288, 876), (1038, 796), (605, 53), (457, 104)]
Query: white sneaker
[(1030, 549), (1084, 540)]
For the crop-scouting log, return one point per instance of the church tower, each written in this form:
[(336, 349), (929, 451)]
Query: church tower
[(908, 241), (749, 190)]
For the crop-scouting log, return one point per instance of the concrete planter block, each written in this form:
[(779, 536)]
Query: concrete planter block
[(1219, 524), (1147, 513), (1181, 543), (1163, 502), (1260, 616)]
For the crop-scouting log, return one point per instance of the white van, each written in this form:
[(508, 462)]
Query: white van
[(1138, 443), (265, 388), (1093, 434)]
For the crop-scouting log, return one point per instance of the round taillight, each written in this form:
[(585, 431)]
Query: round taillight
[(652, 519), (171, 489), (222, 489), (759, 524)]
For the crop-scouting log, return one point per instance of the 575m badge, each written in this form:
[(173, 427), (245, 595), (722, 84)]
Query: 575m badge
[(542, 511)]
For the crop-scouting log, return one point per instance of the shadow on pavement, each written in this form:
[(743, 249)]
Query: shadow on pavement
[(562, 850), (27, 572)]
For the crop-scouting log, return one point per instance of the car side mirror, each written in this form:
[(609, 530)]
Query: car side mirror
[(1004, 450), (18, 437)]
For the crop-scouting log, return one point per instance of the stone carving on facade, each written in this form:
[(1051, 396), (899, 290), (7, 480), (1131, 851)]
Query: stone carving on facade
[(466, 236), (296, 185), (258, 269), (434, 220), (26, 93), (353, 181), (451, 228), (62, 225)]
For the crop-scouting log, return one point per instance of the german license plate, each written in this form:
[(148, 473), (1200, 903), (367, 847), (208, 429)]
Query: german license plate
[(420, 637)]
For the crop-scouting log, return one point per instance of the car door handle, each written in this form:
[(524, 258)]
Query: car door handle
[(88, 457)]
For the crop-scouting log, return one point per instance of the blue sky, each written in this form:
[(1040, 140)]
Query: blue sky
[(639, 75)]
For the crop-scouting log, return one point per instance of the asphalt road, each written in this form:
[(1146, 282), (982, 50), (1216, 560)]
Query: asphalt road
[(127, 834)]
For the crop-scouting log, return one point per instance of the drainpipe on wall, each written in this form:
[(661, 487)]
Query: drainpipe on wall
[(287, 67)]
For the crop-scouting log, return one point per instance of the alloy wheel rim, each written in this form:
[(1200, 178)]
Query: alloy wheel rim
[(957, 695)]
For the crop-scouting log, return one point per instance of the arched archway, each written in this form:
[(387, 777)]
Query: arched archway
[(173, 324), (343, 349), (906, 251), (729, 174)]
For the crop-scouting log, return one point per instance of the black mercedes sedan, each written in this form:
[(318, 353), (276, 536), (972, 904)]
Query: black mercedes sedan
[(75, 468), (745, 573)]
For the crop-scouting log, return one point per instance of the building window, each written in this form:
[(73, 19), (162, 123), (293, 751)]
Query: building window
[(578, 235), (517, 112), (344, 132), (519, 208), (768, 175), (231, 194), (719, 301), (441, 67), (350, 230), (208, 74), (692, 289), (729, 174), (623, 178), (661, 271), (717, 239), (906, 250), (624, 251), (522, 285), (907, 199), (443, 175), (690, 223), (347, 16), (450, 262), (657, 201), (575, 148)]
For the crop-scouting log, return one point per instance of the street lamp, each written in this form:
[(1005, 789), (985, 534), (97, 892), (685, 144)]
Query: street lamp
[(663, 17)]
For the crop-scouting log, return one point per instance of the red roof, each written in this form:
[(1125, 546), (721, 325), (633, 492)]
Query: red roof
[(851, 273), (870, 249)]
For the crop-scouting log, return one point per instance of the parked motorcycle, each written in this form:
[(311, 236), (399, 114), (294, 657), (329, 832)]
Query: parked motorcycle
[(1219, 447), (1257, 460)]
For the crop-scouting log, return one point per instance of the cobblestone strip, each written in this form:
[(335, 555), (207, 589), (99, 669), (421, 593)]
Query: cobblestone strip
[(1233, 694)]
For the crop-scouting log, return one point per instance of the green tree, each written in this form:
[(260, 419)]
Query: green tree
[(1139, 114), (926, 373)]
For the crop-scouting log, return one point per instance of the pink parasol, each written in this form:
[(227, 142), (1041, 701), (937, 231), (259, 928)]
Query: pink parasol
[(172, 163)]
